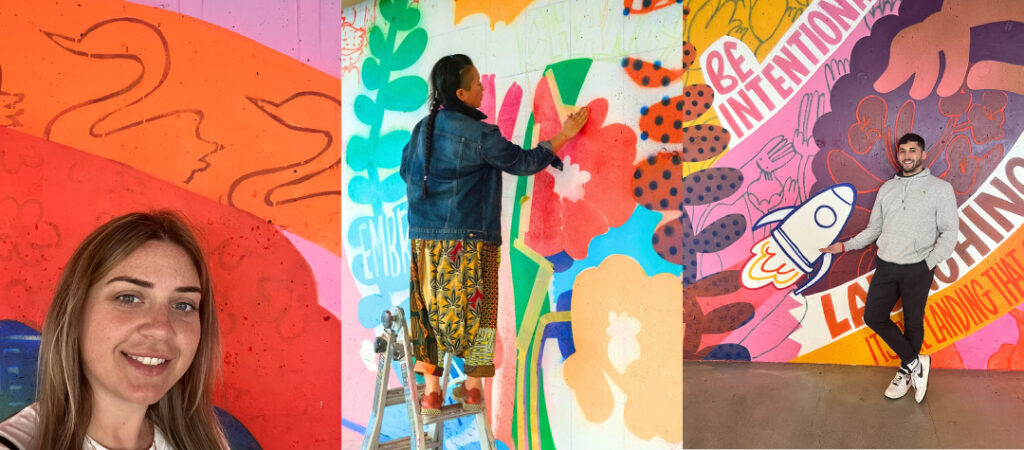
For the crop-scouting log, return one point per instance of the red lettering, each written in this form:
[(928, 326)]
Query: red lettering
[(816, 18), (990, 204), (790, 65), (746, 110), (715, 70), (755, 86), (982, 224), (735, 61), (839, 13), (835, 327)]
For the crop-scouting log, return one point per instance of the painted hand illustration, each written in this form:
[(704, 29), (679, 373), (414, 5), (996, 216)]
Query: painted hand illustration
[(915, 52)]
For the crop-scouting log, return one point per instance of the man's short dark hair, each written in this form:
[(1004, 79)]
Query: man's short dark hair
[(910, 137)]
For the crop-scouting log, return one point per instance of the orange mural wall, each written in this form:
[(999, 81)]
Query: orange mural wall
[(108, 107)]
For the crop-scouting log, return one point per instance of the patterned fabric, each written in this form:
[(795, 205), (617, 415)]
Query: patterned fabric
[(453, 302)]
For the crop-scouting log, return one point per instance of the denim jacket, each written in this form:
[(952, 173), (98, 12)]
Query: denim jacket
[(464, 184)]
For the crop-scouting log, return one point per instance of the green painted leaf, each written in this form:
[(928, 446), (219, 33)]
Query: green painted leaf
[(367, 111), (392, 189), (361, 191), (358, 153), (406, 94), (390, 8), (569, 75), (389, 149), (407, 19), (378, 43), (373, 75), (409, 50)]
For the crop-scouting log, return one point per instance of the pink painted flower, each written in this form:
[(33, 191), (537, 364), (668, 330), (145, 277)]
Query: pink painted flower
[(592, 193)]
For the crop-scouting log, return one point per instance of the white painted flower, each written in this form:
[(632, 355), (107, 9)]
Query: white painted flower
[(569, 182), (623, 347)]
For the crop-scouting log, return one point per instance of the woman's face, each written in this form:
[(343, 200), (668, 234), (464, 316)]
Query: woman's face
[(140, 327), (474, 96)]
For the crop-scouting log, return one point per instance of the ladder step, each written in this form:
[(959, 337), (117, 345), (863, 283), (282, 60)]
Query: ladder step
[(396, 396), (449, 412), (404, 443)]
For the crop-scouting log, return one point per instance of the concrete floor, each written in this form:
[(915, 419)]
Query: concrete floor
[(767, 405)]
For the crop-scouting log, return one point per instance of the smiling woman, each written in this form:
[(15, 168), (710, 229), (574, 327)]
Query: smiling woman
[(129, 346)]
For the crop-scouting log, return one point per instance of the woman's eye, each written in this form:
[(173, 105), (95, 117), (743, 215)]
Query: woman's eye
[(128, 298), (184, 306)]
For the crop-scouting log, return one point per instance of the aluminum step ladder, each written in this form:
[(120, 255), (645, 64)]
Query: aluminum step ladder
[(394, 345)]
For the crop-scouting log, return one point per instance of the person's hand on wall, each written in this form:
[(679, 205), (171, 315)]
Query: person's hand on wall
[(833, 249), (570, 127)]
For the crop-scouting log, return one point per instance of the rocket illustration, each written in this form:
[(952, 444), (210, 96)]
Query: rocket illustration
[(802, 231)]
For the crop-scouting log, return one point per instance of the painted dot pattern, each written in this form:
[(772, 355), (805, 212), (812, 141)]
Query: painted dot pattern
[(649, 74), (659, 122), (658, 182), (710, 185), (647, 6), (695, 101), (689, 55), (703, 142)]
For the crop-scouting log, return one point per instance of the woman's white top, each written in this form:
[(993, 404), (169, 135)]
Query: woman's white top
[(21, 430)]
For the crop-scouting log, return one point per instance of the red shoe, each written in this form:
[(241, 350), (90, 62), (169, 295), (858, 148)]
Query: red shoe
[(430, 404), (471, 399)]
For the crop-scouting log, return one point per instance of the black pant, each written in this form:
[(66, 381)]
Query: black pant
[(891, 282)]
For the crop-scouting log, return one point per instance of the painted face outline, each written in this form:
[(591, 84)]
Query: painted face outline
[(910, 156), (141, 326)]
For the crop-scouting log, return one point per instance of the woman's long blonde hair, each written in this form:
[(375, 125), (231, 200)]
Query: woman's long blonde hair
[(185, 414)]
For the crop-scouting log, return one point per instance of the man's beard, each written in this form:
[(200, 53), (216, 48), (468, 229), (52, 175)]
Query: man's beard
[(914, 168)]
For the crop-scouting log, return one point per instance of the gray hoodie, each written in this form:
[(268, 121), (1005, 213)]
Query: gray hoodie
[(914, 219)]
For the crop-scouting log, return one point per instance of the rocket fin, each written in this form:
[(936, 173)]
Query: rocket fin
[(774, 216), (826, 263)]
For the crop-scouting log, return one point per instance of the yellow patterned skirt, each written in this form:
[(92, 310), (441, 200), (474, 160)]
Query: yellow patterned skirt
[(453, 302)]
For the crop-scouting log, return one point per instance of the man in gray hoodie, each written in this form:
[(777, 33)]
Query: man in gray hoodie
[(914, 222)]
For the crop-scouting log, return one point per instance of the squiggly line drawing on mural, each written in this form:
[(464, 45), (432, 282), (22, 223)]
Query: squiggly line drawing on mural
[(758, 24), (143, 43), (25, 233), (310, 178), (353, 39), (9, 105)]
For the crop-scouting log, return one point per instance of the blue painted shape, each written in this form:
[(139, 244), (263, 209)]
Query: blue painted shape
[(564, 302), (345, 423), (728, 352), (238, 436), (561, 261), (19, 351), (562, 331), (370, 309), (639, 228)]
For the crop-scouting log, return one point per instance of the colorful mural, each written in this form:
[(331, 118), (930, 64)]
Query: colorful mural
[(591, 263), (111, 106), (807, 114)]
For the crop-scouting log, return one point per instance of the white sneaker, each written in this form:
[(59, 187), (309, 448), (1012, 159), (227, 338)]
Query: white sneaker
[(900, 384), (919, 376)]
